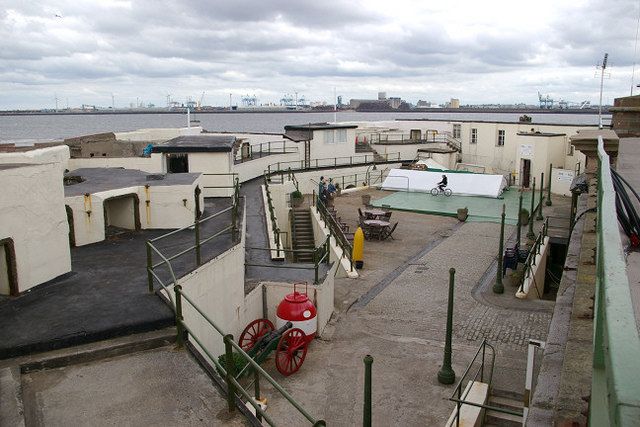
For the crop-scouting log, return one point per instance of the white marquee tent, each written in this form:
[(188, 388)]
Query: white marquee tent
[(467, 184)]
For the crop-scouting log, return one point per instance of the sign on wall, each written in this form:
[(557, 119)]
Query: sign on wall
[(526, 150), (565, 175)]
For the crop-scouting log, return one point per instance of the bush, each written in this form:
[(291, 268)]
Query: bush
[(296, 195), (238, 361)]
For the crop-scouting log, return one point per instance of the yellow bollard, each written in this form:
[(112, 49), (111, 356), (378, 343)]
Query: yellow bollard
[(358, 248)]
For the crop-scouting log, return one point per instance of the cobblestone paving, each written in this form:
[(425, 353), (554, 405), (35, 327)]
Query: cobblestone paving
[(509, 327)]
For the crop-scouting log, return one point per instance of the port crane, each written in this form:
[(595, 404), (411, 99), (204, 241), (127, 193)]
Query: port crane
[(249, 101)]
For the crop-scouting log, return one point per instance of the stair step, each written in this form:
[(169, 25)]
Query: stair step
[(507, 403), (500, 419)]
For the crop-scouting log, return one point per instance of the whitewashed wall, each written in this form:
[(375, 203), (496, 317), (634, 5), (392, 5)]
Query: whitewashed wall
[(170, 206), (561, 181), (58, 155), (158, 134), (32, 213), (533, 286)]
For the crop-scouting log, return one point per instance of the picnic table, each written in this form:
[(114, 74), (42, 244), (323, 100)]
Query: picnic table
[(374, 213), (377, 227)]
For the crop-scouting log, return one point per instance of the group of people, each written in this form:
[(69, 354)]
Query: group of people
[(327, 190)]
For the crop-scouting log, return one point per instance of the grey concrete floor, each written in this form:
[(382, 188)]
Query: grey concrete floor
[(396, 312), (106, 293), (150, 388)]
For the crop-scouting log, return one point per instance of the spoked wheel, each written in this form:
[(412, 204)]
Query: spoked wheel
[(447, 192), (434, 191), (292, 349), (253, 332)]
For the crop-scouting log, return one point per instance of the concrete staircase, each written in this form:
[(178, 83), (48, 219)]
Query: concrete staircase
[(508, 400), (302, 233)]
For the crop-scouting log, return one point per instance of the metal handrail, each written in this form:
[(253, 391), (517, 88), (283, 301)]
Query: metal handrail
[(352, 179), (272, 147), (615, 391), (530, 262), (459, 400), (237, 386), (335, 230), (299, 165)]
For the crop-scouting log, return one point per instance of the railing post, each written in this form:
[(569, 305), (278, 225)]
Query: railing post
[(197, 233), (366, 412), (230, 369), (539, 217), (519, 230), (530, 234), (446, 375), (548, 202), (498, 287), (179, 328), (328, 249), (256, 389), (482, 366), (149, 267), (277, 236)]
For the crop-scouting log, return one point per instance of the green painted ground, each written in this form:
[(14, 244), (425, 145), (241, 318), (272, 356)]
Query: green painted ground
[(480, 208)]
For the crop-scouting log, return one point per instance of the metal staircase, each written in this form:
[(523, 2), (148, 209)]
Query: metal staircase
[(302, 234)]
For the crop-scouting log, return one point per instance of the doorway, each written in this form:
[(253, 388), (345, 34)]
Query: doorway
[(177, 163), (415, 135), (8, 270), (121, 213), (525, 172)]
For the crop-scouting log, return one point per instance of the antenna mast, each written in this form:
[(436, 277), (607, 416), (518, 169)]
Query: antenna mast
[(602, 68)]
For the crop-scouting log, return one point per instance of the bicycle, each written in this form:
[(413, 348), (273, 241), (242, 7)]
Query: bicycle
[(436, 190)]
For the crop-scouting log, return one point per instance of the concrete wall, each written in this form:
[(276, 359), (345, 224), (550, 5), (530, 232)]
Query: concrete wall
[(121, 212), (320, 234), (169, 207), (213, 163), (533, 286), (157, 134), (33, 215), (153, 164), (58, 155), (321, 146)]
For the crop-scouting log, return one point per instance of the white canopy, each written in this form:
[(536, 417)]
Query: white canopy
[(468, 184)]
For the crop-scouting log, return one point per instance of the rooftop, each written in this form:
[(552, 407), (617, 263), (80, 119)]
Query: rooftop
[(320, 126), (104, 179), (197, 144)]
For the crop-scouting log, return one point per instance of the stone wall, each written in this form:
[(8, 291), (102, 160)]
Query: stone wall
[(626, 116)]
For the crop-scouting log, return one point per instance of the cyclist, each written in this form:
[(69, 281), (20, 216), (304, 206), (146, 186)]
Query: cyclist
[(443, 184)]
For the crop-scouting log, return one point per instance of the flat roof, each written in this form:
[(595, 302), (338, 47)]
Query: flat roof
[(506, 122), (197, 144), (320, 126), (541, 134), (104, 179)]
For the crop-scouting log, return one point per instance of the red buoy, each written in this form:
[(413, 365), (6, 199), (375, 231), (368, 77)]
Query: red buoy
[(299, 310)]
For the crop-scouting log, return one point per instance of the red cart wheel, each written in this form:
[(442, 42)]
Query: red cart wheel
[(292, 349), (253, 332)]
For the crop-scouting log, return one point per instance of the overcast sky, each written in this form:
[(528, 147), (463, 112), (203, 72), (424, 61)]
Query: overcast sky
[(477, 51)]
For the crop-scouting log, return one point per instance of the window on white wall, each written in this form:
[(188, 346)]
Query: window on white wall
[(457, 130), (341, 136), (500, 137), (474, 136), (329, 137)]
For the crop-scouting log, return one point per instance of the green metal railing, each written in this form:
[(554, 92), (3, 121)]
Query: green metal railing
[(459, 395), (319, 254), (334, 230), (356, 179), (184, 332), (615, 391), (363, 159), (530, 262), (232, 185), (273, 219), (262, 149), (199, 240)]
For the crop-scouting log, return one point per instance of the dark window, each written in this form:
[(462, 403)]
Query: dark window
[(457, 131), (474, 136), (500, 138)]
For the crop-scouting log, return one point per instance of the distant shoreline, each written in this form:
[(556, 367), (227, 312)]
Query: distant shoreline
[(284, 111)]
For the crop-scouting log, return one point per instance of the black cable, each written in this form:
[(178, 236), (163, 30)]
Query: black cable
[(625, 210)]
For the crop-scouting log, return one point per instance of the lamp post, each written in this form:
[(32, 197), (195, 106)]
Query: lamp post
[(530, 234), (539, 217), (548, 202), (519, 231), (446, 374), (498, 287)]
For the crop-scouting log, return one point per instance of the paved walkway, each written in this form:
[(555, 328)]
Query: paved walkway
[(155, 387), (403, 325), (628, 161), (106, 294)]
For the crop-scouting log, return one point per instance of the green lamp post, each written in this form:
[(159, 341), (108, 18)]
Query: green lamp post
[(498, 287), (446, 374)]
